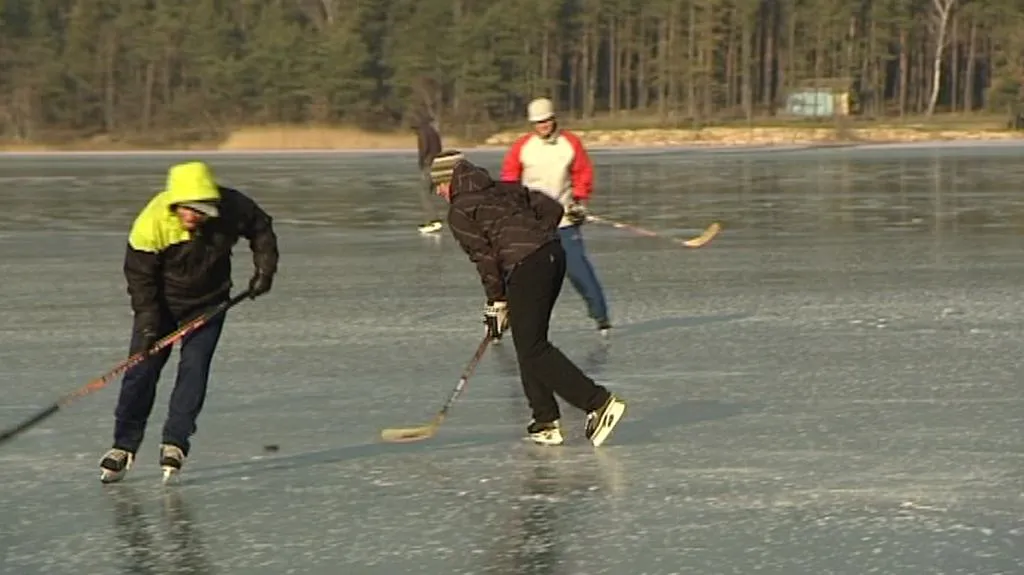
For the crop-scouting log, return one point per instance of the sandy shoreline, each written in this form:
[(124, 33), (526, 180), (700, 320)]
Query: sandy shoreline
[(596, 150), (774, 136), (344, 141), (638, 149)]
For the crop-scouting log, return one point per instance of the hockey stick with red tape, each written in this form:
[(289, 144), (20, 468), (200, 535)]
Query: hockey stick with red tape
[(402, 434), (101, 381)]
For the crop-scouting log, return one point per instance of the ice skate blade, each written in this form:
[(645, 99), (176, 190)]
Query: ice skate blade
[(172, 476), (107, 476), (544, 441)]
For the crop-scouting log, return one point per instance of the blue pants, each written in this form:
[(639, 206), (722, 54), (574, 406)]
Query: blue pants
[(581, 273), (138, 388)]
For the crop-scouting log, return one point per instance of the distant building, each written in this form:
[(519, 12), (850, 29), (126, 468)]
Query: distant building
[(820, 98)]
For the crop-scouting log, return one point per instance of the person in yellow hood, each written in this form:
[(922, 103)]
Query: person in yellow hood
[(177, 264)]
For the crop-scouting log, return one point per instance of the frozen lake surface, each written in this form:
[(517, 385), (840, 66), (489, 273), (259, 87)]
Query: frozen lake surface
[(832, 386)]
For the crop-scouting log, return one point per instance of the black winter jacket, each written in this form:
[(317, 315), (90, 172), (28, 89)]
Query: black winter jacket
[(169, 269), (498, 224), (428, 143)]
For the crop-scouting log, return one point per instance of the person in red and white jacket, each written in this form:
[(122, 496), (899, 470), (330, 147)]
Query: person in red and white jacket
[(554, 161)]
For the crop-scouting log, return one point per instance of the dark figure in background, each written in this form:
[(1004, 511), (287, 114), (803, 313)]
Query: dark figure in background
[(428, 143)]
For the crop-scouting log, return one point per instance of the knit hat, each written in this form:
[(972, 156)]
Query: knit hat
[(443, 165), (540, 110)]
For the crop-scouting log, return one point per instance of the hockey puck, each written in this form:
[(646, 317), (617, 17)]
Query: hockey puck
[(271, 447)]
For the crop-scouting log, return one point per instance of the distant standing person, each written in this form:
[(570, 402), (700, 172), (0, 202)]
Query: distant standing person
[(429, 146), (555, 162), (177, 264)]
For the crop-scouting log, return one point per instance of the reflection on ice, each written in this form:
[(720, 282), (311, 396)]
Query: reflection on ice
[(831, 386), (153, 542), (550, 511)]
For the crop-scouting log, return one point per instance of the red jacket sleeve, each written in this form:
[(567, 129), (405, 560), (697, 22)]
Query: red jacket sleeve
[(581, 170), (512, 166)]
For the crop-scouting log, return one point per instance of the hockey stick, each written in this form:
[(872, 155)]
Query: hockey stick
[(706, 236), (133, 360), (400, 434)]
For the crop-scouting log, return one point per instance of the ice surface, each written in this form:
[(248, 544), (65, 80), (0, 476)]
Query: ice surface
[(831, 386)]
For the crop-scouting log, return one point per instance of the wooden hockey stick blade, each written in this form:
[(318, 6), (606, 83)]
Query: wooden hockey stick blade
[(399, 434), (408, 434), (705, 236)]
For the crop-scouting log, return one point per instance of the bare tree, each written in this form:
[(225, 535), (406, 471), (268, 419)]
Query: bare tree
[(319, 12), (939, 22)]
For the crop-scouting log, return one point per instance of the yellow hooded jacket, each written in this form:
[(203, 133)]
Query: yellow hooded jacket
[(169, 268)]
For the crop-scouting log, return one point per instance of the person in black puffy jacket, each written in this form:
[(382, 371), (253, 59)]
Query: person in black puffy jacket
[(510, 233), (178, 264)]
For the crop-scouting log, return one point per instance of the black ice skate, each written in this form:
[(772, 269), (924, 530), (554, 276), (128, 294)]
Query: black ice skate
[(602, 421), (115, 465), (544, 433), (171, 460), (431, 227)]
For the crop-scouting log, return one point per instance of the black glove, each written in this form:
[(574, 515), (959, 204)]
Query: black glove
[(260, 283), (147, 332), (496, 318), (576, 213)]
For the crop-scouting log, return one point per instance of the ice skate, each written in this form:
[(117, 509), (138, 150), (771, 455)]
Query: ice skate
[(115, 465), (604, 327), (431, 227), (544, 433), (171, 460), (602, 421)]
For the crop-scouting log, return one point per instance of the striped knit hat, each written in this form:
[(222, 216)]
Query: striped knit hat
[(443, 165)]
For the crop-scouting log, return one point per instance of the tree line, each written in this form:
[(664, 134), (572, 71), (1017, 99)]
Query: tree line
[(193, 68)]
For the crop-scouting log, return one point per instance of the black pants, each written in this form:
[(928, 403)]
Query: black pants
[(426, 192), (138, 388), (532, 290)]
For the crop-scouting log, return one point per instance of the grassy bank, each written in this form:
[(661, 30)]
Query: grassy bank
[(634, 130), (315, 138), (245, 138), (240, 139)]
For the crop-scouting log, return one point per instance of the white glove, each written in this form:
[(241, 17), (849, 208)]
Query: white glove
[(496, 318)]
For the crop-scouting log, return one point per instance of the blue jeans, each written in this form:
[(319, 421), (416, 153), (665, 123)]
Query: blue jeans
[(138, 388), (581, 273)]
